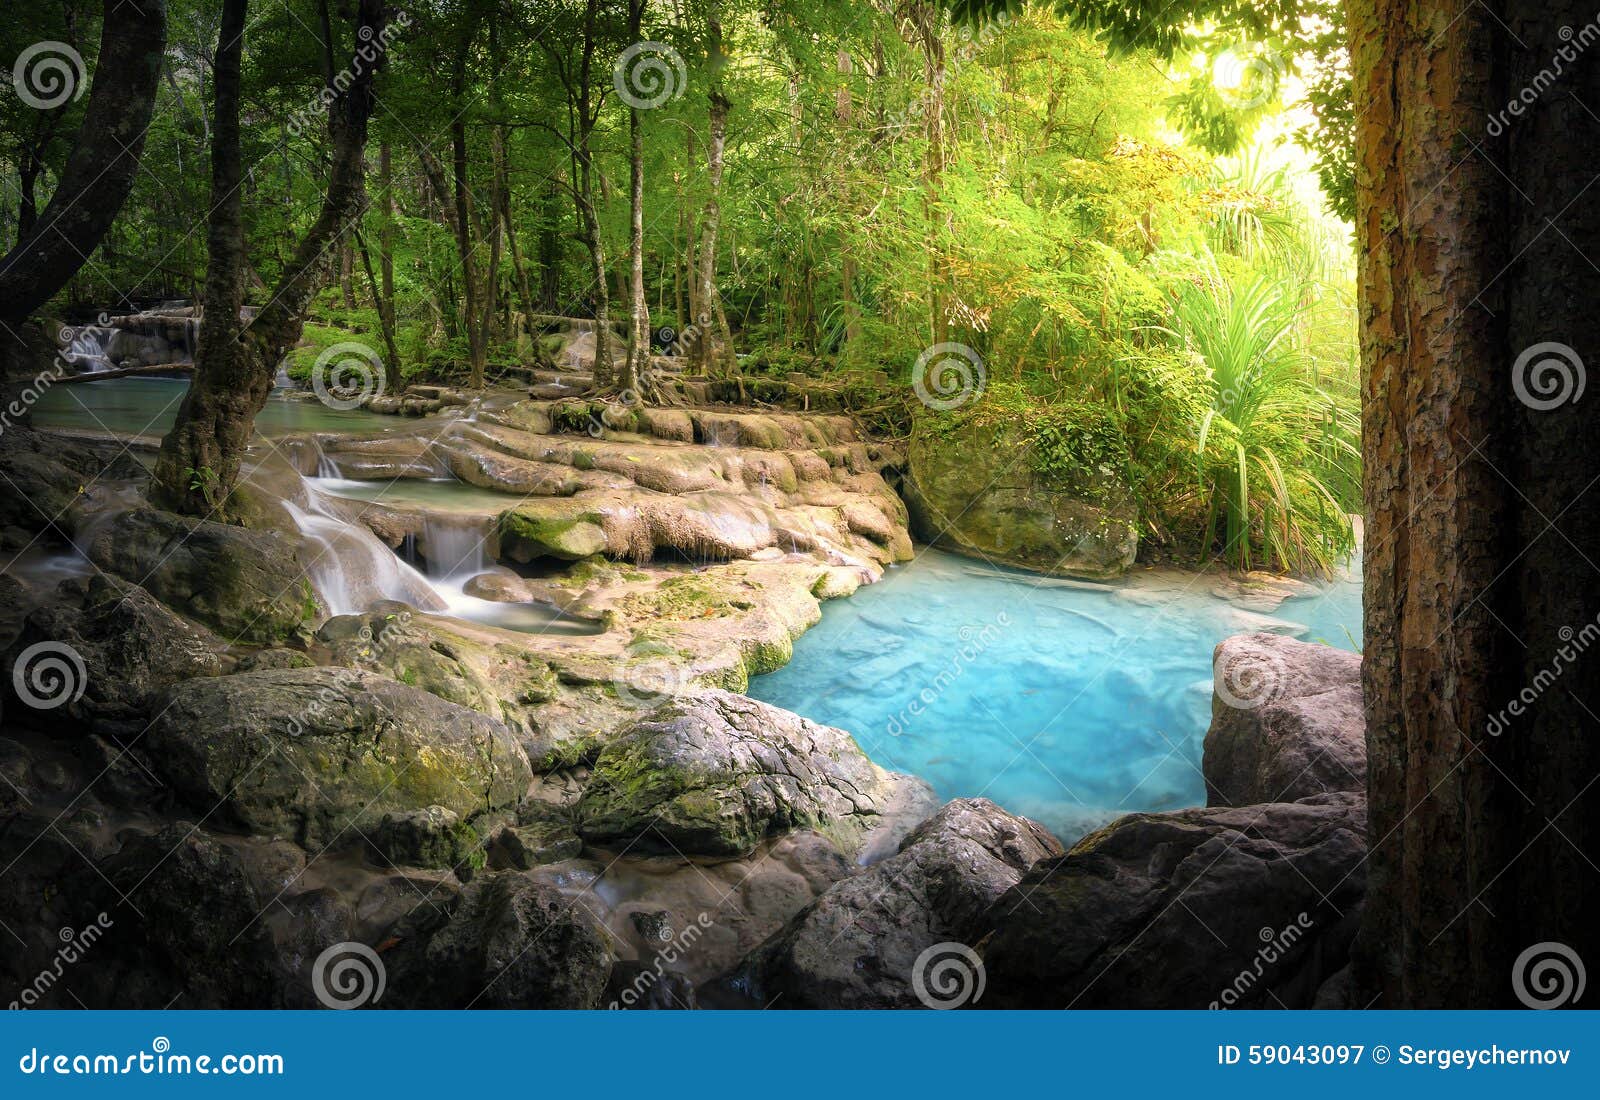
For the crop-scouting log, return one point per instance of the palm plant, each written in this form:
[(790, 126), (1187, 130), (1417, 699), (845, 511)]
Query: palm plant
[(1274, 449)]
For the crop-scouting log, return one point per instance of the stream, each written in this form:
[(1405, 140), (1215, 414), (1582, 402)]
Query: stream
[(1065, 702)]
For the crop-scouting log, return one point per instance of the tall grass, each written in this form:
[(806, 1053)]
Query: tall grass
[(1275, 451)]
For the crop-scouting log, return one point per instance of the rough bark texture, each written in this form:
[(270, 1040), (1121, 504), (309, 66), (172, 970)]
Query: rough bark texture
[(103, 163), (1482, 530), (633, 369), (199, 462)]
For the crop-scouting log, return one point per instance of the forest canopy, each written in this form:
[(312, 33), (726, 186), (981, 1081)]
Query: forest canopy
[(1096, 201)]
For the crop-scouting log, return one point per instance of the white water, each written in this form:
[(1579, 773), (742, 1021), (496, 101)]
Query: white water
[(351, 568)]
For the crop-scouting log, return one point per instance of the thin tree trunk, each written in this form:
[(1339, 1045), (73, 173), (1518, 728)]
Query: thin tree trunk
[(713, 350), (1481, 702), (471, 297), (638, 358), (386, 306), (550, 250), (603, 369)]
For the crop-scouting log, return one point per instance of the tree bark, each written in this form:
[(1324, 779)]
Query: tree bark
[(471, 296), (1482, 527), (198, 467), (638, 358), (603, 369), (102, 165), (713, 347)]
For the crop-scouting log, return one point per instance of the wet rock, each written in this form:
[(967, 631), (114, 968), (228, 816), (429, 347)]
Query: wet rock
[(1252, 906), (430, 837), (858, 945), (45, 475), (977, 492), (508, 942), (322, 754), (643, 985), (247, 585), (1286, 722), (114, 647), (521, 847), (715, 773), (191, 935)]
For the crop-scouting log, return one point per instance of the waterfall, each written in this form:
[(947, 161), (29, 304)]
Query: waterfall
[(88, 349), (351, 568), (454, 547)]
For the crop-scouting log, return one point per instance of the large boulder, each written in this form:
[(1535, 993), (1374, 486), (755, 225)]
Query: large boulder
[(1242, 907), (46, 475), (248, 585), (861, 943), (1286, 722), (95, 657), (977, 489), (715, 773), (323, 754), (508, 942)]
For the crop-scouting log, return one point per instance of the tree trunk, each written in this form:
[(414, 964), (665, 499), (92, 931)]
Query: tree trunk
[(638, 359), (200, 458), (550, 251), (603, 369), (471, 298), (713, 347), (104, 161), (1481, 533), (386, 310)]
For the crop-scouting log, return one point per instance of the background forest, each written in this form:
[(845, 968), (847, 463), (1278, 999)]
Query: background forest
[(1124, 238)]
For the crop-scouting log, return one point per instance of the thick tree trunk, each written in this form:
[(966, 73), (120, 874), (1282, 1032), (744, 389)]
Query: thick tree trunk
[(199, 463), (104, 160), (1483, 531), (218, 413)]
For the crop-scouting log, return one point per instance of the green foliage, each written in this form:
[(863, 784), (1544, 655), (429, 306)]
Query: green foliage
[(1271, 445)]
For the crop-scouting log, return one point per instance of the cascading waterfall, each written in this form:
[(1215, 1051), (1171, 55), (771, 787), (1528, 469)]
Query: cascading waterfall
[(454, 547), (351, 568)]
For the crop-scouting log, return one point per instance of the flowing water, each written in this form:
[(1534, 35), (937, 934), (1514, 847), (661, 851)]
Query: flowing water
[(1068, 703)]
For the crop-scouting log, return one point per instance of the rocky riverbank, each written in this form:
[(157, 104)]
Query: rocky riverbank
[(241, 788)]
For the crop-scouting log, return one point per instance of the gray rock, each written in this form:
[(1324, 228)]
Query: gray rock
[(128, 647), (858, 945), (522, 847), (713, 774), (429, 837), (245, 584), (324, 753), (1234, 907), (508, 942), (976, 491), (1286, 722)]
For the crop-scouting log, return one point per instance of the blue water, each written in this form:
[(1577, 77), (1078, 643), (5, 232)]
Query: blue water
[(1069, 705)]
